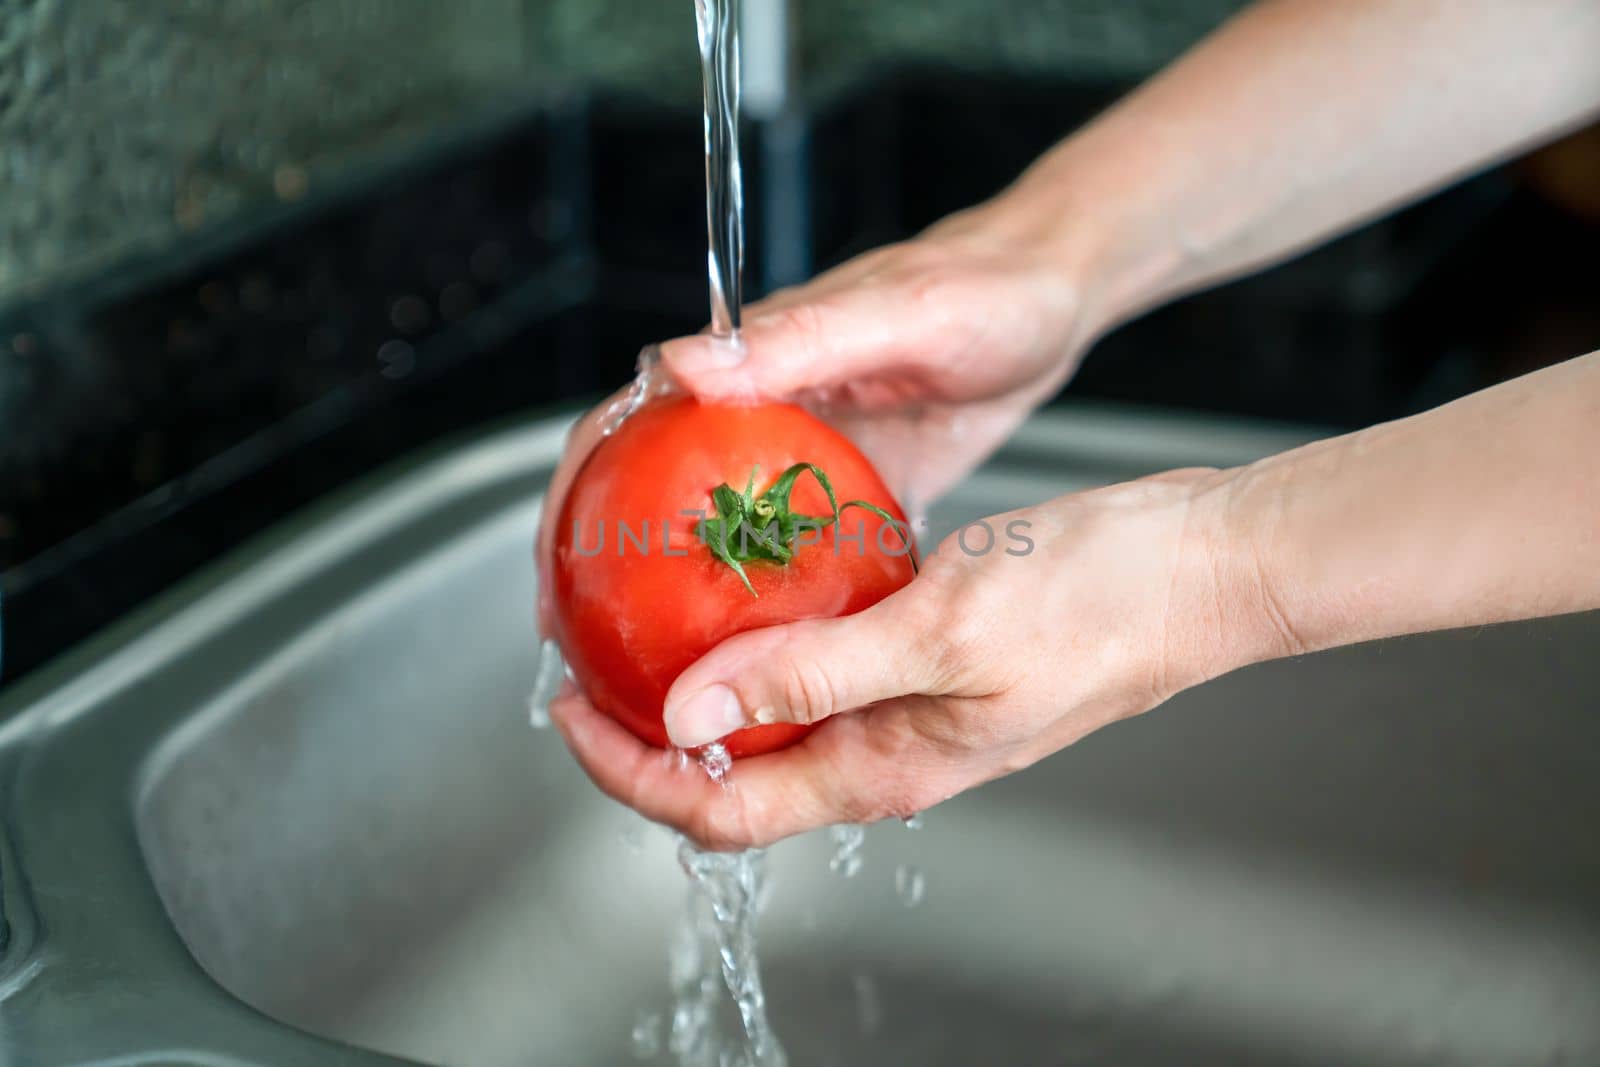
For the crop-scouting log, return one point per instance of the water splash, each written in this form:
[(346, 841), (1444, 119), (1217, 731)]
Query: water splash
[(910, 885), (649, 382), (727, 894), (727, 891), (716, 762), (546, 684), (693, 1038), (847, 840)]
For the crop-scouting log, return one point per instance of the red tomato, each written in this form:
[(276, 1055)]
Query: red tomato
[(640, 589)]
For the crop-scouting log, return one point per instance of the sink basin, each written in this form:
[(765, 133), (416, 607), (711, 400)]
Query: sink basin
[(299, 814)]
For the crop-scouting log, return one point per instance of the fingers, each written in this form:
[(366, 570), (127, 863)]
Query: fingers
[(857, 769), (625, 768), (803, 672), (817, 340), (652, 781)]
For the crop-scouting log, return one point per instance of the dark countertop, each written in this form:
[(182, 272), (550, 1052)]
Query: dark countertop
[(155, 422)]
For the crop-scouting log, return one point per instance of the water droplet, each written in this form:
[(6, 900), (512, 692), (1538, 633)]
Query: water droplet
[(869, 1003), (538, 714), (647, 1036), (546, 684), (913, 822), (726, 891), (648, 383), (910, 885), (716, 762), (847, 840)]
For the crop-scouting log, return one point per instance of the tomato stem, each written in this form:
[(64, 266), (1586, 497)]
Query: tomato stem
[(747, 527)]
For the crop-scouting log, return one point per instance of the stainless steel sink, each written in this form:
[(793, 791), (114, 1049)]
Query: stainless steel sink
[(304, 791)]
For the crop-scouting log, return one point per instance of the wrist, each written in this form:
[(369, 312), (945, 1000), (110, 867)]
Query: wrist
[(1240, 605), (1097, 211), (1067, 252), (1013, 263), (1303, 562)]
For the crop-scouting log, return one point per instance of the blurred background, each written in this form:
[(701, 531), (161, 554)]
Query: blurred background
[(253, 249)]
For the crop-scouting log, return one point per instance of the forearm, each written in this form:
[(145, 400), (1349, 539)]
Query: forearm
[(1482, 511), (1296, 120)]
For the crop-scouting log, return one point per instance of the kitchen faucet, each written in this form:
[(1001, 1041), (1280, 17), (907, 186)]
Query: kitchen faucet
[(768, 70)]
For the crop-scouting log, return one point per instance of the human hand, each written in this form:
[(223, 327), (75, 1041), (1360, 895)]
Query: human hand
[(1085, 610), (927, 353)]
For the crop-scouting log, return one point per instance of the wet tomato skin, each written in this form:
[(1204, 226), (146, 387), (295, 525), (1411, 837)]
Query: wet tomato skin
[(631, 618)]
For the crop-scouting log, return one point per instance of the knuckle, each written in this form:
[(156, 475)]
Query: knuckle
[(806, 691), (930, 289), (806, 322)]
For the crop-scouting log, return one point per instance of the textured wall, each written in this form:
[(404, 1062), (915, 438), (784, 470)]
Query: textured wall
[(639, 43), (127, 124)]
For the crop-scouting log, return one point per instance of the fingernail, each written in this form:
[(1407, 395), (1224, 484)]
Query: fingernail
[(704, 716)]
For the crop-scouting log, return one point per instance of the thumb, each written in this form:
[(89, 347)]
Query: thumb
[(808, 344), (800, 672)]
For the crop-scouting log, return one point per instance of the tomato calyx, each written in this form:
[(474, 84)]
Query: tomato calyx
[(746, 528)]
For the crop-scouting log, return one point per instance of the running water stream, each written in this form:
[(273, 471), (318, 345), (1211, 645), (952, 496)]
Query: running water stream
[(726, 891), (718, 23), (714, 949)]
